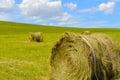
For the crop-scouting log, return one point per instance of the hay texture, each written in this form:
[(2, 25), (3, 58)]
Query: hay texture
[(36, 36), (85, 57)]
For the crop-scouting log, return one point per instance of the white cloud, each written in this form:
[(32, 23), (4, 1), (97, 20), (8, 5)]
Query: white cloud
[(42, 9), (4, 17), (107, 7), (6, 8), (88, 24), (6, 5), (92, 9), (64, 17), (71, 6)]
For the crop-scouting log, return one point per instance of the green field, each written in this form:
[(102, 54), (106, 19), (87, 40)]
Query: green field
[(24, 60)]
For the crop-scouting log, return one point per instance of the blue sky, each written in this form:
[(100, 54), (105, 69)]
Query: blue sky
[(69, 13)]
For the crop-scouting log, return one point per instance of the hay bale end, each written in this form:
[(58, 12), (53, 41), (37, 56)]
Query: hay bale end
[(85, 57), (36, 36)]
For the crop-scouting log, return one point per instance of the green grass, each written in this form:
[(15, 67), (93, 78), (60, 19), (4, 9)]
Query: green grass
[(24, 60)]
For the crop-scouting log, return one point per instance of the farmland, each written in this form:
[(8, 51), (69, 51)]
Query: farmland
[(24, 60)]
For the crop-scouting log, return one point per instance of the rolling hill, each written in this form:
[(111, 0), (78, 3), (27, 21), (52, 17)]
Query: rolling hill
[(24, 60)]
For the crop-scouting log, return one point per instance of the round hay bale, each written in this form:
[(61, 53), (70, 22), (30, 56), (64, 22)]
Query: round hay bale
[(36, 36), (84, 57)]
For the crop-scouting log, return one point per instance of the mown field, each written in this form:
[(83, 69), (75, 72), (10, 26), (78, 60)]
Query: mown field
[(24, 60)]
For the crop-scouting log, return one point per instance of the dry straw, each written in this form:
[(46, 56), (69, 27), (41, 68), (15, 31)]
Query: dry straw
[(85, 57), (36, 36)]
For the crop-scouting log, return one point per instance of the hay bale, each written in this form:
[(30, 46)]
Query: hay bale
[(84, 57), (36, 36)]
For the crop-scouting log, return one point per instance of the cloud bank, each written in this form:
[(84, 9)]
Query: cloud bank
[(6, 5), (107, 7), (43, 9), (71, 6)]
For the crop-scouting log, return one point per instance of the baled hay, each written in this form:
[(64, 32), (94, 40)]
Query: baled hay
[(36, 36), (84, 57)]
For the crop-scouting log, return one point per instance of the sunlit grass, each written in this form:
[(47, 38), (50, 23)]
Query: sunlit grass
[(24, 60)]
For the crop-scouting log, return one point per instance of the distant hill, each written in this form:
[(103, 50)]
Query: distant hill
[(18, 28)]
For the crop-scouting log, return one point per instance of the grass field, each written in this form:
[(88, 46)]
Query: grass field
[(24, 60)]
